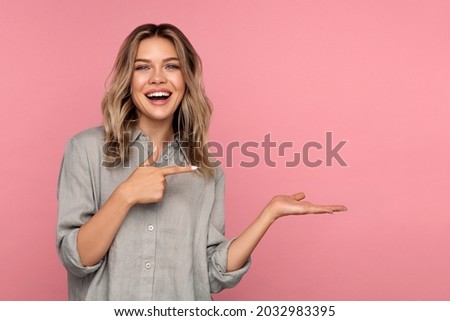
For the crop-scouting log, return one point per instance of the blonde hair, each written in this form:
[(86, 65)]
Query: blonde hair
[(192, 117)]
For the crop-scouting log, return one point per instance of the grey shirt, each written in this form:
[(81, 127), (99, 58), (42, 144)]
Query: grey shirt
[(171, 250)]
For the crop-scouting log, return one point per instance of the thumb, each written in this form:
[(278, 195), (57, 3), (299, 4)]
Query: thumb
[(298, 196), (152, 158)]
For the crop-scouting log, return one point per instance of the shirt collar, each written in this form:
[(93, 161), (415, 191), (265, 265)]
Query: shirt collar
[(139, 134)]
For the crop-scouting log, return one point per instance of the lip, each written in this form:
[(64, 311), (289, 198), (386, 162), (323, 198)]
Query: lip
[(161, 102), (151, 91)]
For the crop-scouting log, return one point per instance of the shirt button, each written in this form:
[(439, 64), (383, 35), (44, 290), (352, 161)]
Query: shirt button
[(150, 227), (148, 265), (166, 157)]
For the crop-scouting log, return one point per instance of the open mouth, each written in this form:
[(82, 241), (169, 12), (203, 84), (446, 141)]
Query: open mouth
[(159, 95)]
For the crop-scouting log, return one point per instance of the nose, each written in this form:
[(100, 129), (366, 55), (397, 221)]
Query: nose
[(157, 76)]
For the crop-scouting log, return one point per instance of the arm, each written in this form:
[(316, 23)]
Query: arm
[(242, 247), (218, 245), (96, 235), (145, 185)]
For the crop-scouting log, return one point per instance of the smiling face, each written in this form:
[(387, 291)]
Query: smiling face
[(157, 84)]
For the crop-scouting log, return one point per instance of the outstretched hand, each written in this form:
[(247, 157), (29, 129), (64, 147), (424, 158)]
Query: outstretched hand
[(282, 205)]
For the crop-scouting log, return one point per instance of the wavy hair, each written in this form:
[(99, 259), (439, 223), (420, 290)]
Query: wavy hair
[(192, 117)]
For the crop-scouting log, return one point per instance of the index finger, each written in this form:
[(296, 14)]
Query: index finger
[(171, 170), (152, 158)]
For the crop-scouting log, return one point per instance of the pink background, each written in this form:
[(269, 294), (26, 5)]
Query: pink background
[(376, 73)]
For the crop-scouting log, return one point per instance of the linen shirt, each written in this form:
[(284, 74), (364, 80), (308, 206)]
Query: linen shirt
[(174, 249)]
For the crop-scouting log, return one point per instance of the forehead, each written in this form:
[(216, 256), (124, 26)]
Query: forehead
[(156, 48)]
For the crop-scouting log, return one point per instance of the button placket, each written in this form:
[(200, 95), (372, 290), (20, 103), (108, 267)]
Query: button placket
[(149, 238)]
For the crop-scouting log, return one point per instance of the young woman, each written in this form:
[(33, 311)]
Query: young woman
[(141, 213)]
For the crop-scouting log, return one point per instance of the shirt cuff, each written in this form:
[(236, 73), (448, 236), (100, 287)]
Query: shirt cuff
[(219, 272), (71, 259)]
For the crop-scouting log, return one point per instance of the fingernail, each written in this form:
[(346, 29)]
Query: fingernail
[(194, 168)]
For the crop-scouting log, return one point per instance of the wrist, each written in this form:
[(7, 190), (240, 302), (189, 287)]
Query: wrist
[(268, 215), (123, 194)]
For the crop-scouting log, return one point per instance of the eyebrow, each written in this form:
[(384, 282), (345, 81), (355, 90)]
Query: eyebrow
[(148, 60)]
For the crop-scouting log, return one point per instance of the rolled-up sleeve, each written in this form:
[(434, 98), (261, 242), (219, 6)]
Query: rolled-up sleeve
[(218, 245), (76, 204), (174, 250)]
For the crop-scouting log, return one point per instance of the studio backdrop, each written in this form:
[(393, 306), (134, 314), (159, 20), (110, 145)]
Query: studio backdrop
[(347, 101)]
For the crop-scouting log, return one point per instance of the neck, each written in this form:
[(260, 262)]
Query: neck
[(158, 133)]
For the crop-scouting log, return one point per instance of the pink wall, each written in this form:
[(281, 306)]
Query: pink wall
[(375, 73)]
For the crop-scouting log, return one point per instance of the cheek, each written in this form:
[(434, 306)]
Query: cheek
[(135, 87), (183, 88), (136, 82), (134, 97), (181, 85), (178, 81)]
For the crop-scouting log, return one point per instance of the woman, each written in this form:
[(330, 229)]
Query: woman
[(140, 202)]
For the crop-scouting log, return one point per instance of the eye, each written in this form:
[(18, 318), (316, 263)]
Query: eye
[(172, 67), (142, 67)]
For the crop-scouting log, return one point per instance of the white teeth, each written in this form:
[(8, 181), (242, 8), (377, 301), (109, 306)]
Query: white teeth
[(159, 94)]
